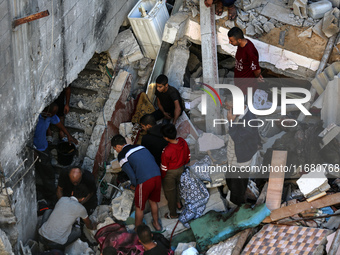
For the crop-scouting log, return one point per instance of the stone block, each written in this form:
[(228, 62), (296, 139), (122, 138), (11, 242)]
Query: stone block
[(97, 134), (258, 29), (317, 29), (268, 26), (143, 63), (335, 3), (307, 33), (300, 8), (262, 19), (244, 16), (175, 27), (330, 22), (126, 43), (250, 30), (240, 23), (229, 23), (125, 129), (209, 141), (120, 80), (92, 151)]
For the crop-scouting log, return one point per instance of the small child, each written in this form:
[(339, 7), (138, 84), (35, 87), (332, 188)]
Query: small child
[(174, 156)]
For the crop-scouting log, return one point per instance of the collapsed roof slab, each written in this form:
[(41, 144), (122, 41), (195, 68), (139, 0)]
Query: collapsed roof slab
[(271, 57)]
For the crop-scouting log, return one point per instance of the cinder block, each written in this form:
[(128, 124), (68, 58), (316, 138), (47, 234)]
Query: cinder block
[(300, 8), (330, 22)]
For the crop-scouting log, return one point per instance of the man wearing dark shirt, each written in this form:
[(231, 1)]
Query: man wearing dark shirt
[(169, 100), (69, 179), (247, 67), (150, 247), (153, 140)]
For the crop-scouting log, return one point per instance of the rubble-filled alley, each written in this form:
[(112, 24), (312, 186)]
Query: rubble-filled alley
[(170, 127)]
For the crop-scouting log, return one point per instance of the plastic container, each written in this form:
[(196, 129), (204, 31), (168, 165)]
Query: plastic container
[(317, 10), (149, 29), (66, 153)]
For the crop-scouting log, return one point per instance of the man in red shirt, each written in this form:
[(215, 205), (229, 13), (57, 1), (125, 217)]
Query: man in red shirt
[(247, 68)]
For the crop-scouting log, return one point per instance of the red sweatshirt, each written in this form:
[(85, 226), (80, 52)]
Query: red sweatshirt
[(174, 156)]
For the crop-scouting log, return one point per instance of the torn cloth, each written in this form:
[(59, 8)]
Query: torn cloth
[(116, 236), (195, 195)]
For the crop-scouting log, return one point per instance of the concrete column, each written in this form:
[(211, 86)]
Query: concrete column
[(209, 63)]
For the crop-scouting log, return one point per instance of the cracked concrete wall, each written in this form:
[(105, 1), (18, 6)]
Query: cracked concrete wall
[(38, 59)]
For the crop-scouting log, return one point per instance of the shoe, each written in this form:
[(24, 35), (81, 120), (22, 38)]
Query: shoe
[(168, 216), (158, 231), (64, 139), (179, 210)]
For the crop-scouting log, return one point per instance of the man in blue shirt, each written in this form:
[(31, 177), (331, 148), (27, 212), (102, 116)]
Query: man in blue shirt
[(144, 173), (43, 166)]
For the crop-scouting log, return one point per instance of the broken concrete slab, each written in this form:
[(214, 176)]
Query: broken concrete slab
[(223, 226), (307, 33), (280, 13), (244, 16), (330, 25), (262, 19), (317, 10), (209, 141), (120, 80), (317, 29), (251, 4), (300, 8), (268, 26), (250, 30), (176, 63), (126, 43), (242, 25), (313, 183), (229, 23), (330, 112), (175, 27), (335, 3), (328, 134)]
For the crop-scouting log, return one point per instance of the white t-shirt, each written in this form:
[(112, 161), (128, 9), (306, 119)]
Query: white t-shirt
[(59, 225)]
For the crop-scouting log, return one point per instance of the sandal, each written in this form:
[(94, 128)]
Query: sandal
[(168, 216), (158, 231), (232, 12)]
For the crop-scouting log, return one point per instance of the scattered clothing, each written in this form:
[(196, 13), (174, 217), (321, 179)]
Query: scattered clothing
[(155, 142), (195, 195), (144, 106)]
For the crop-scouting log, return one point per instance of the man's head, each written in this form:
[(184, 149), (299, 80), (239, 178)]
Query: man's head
[(162, 83), (80, 192), (235, 36), (169, 132), (109, 251), (144, 234), (50, 110), (118, 142), (75, 176), (147, 121)]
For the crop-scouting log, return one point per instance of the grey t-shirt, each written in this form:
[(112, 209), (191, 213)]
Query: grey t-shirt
[(59, 225)]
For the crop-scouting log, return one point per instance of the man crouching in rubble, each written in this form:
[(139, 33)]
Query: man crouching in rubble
[(57, 230), (242, 145), (138, 163)]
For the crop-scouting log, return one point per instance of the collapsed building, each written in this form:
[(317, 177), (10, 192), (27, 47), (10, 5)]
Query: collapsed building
[(108, 60)]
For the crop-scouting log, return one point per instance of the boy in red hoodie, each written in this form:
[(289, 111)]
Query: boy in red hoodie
[(174, 156)]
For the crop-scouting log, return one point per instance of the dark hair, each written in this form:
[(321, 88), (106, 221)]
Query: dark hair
[(144, 234), (236, 32), (80, 191), (50, 108), (162, 79), (109, 250), (118, 140), (169, 131), (148, 119)]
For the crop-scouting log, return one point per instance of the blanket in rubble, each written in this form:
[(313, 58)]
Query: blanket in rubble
[(115, 235), (195, 195)]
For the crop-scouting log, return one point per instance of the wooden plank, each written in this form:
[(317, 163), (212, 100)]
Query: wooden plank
[(300, 207), (276, 179), (30, 18), (241, 241)]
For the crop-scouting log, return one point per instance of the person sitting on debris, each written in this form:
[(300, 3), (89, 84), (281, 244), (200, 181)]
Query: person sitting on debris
[(138, 163), (174, 156), (63, 102), (242, 145), (153, 140), (57, 230), (150, 247), (43, 167), (169, 101), (109, 250), (247, 67), (70, 179), (232, 11)]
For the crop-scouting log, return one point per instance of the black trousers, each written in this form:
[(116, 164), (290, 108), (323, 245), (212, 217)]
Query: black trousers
[(238, 188)]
